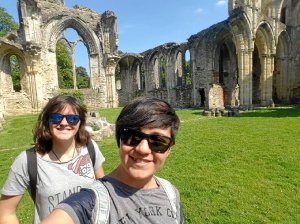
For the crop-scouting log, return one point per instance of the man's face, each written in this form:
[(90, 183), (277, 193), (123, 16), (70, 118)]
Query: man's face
[(139, 163)]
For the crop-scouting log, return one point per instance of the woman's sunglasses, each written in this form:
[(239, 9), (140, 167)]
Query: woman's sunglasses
[(72, 119), (157, 143)]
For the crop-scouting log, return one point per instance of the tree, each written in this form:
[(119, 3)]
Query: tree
[(163, 72), (7, 23), (83, 80), (64, 65), (118, 72), (15, 73), (187, 69)]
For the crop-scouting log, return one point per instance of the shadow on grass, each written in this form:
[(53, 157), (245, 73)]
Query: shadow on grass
[(293, 111), (288, 111)]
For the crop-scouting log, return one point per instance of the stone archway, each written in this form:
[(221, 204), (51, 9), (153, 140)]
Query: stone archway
[(264, 42), (281, 77), (95, 51)]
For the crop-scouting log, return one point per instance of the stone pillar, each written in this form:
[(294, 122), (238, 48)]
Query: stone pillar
[(282, 79), (138, 77), (267, 68), (240, 56), (263, 80), (245, 77), (193, 72), (270, 70), (111, 84), (33, 83), (250, 76), (94, 71)]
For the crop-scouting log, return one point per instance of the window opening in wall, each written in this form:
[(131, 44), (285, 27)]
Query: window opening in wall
[(64, 65), (187, 68), (225, 65), (118, 77), (72, 61), (221, 74), (143, 82), (163, 73), (202, 96), (283, 15), (15, 73), (256, 76)]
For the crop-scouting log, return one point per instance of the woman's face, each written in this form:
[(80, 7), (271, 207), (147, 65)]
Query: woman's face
[(64, 131), (139, 163)]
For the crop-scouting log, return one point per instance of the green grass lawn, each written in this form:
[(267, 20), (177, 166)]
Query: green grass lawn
[(243, 169)]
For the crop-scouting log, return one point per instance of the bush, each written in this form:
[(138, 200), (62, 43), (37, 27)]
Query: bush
[(75, 93)]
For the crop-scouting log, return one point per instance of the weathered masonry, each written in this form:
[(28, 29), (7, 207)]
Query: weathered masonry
[(252, 58), (41, 24)]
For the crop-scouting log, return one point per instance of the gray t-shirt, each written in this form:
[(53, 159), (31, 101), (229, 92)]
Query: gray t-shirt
[(127, 205), (55, 180)]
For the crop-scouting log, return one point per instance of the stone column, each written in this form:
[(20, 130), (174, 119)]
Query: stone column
[(240, 57), (267, 68), (193, 72), (245, 77), (263, 80), (32, 90), (111, 84)]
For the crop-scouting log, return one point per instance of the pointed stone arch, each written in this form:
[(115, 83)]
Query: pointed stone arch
[(281, 76), (265, 43), (90, 40), (6, 80)]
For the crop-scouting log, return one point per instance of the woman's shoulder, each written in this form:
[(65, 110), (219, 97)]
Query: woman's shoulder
[(22, 156), (20, 162)]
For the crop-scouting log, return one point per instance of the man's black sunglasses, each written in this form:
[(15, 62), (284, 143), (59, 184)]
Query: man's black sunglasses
[(72, 119), (157, 143)]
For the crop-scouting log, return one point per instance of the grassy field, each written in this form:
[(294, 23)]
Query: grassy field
[(243, 169)]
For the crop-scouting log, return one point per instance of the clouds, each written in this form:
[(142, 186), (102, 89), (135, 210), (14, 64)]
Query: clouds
[(199, 10), (221, 2)]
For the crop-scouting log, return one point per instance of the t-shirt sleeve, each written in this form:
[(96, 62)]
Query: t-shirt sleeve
[(179, 207), (79, 206), (17, 181), (99, 156)]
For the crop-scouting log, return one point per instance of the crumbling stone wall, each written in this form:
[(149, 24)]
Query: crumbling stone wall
[(41, 24), (253, 56)]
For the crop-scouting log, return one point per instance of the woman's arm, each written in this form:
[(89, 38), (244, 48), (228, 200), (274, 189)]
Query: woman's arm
[(58, 216), (8, 209)]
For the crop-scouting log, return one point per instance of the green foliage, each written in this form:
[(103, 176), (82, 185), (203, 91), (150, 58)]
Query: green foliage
[(227, 169), (15, 73), (76, 93), (118, 72), (83, 80), (7, 23), (64, 65), (187, 72)]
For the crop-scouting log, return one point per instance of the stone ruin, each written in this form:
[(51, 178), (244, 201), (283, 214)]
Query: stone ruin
[(98, 127), (256, 49)]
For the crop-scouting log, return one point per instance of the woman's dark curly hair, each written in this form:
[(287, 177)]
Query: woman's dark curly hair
[(42, 135), (147, 112)]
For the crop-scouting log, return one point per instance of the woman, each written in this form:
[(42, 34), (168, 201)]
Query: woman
[(63, 162), (145, 133)]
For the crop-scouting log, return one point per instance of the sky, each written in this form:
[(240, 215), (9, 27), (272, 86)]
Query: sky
[(143, 25)]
